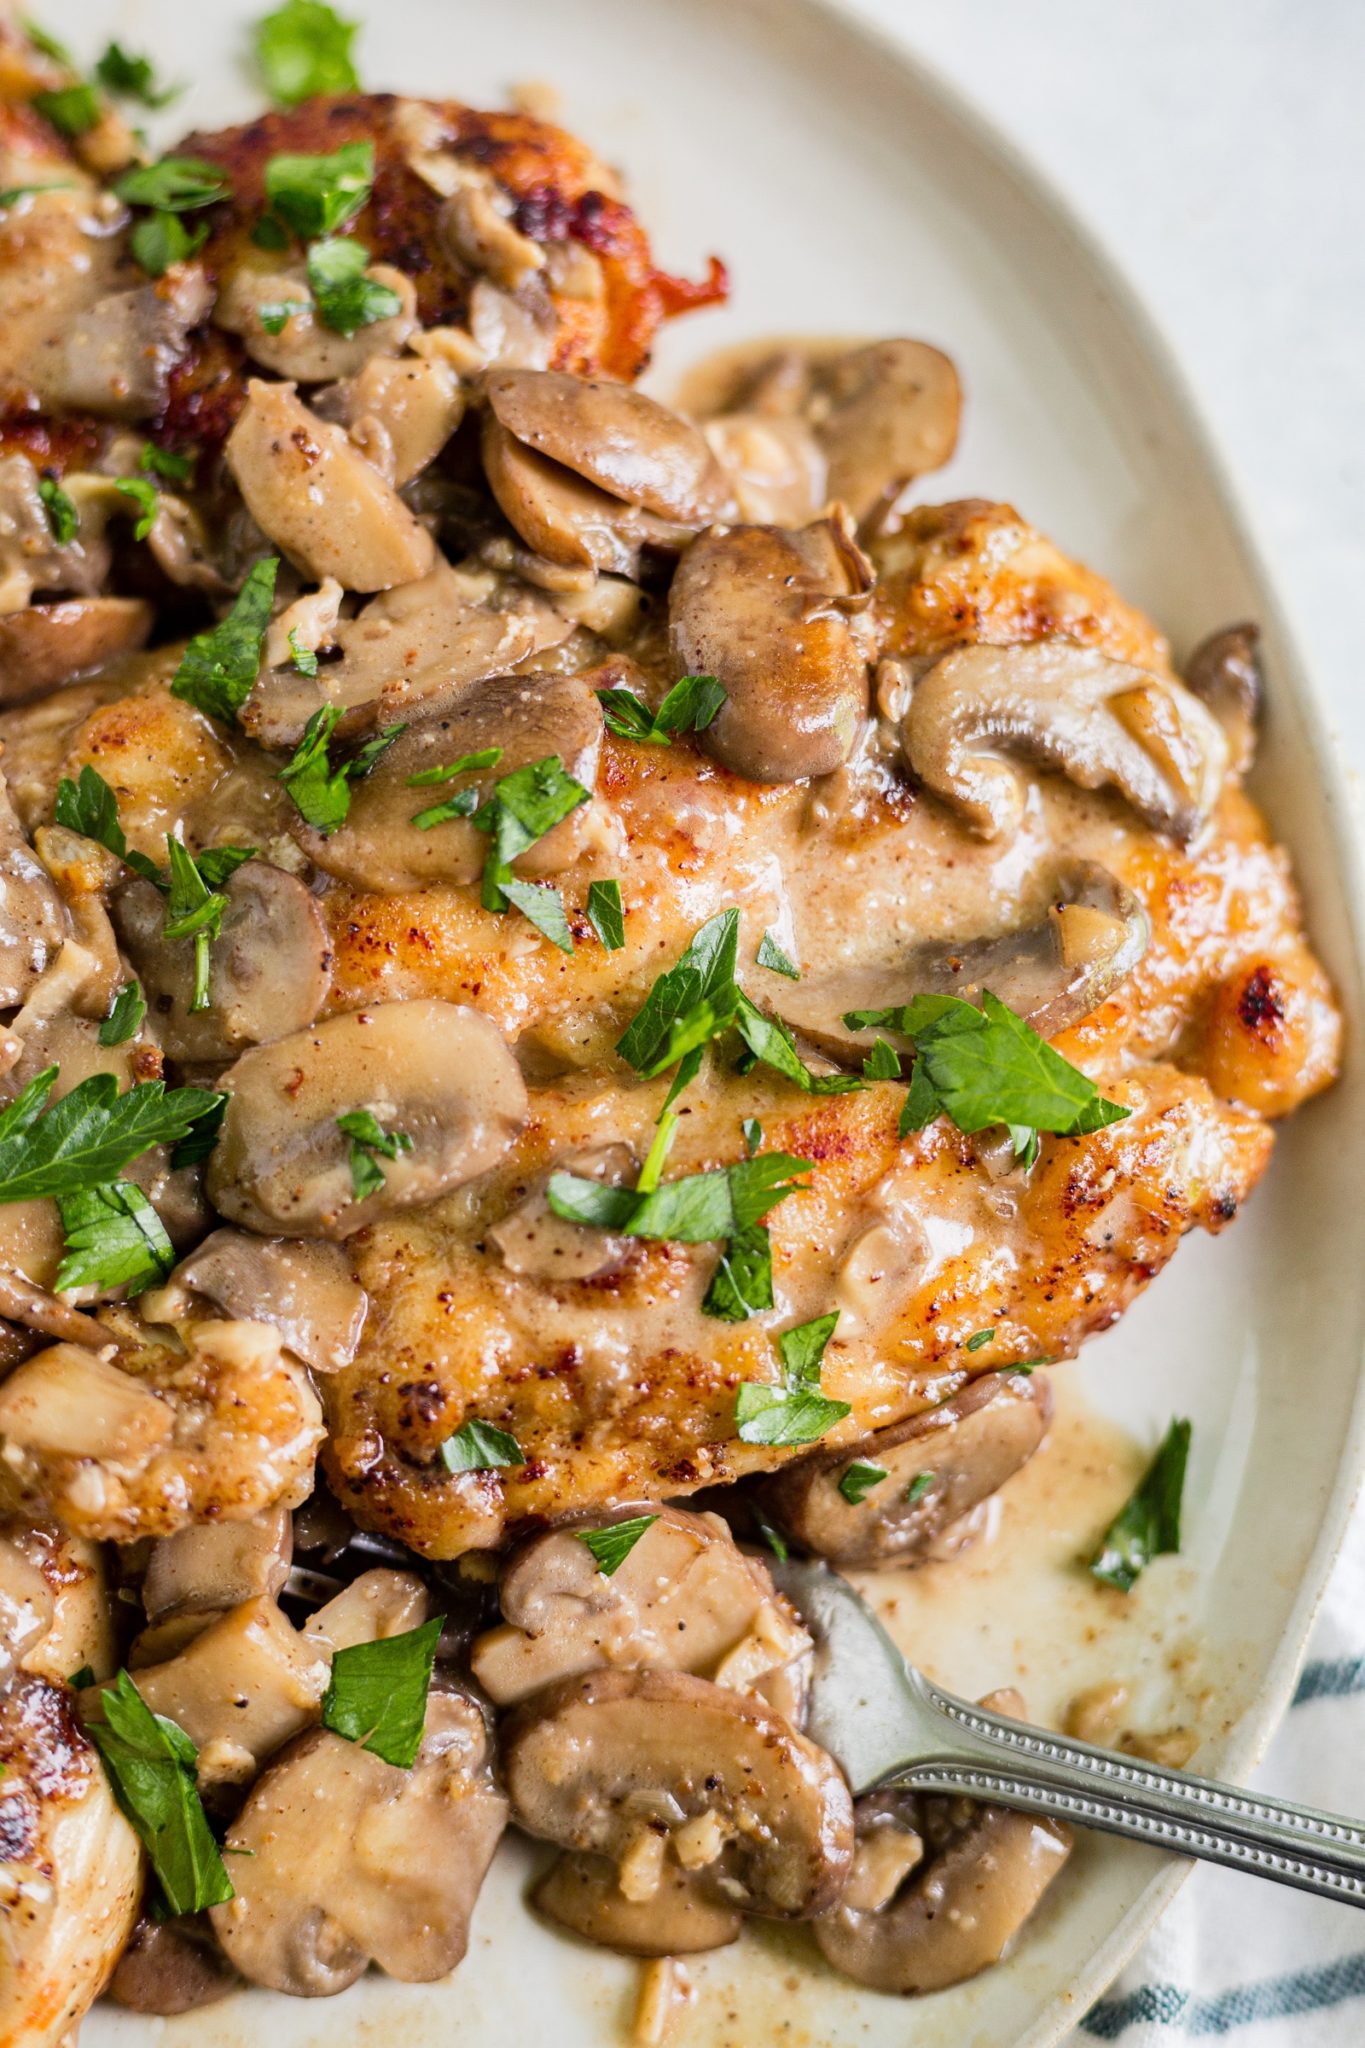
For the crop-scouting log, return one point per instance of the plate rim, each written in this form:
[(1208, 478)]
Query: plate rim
[(1236, 1753)]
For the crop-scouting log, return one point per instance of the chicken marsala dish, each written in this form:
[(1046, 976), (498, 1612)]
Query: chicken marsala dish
[(584, 989)]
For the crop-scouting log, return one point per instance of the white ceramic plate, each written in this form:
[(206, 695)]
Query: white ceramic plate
[(850, 194)]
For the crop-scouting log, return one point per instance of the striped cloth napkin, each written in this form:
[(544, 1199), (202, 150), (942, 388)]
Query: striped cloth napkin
[(1235, 1956)]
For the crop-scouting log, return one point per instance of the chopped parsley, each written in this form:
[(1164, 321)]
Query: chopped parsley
[(218, 669), (177, 184), (315, 195), (126, 1013), (72, 109), (114, 1238), (89, 1136), (62, 516), (977, 1339), (857, 1480), (377, 1694), (275, 317), (917, 1488), (304, 48), (742, 1284), (321, 792), (160, 239), (1148, 1524), (987, 1066), (611, 1546), (690, 706), (305, 660), (771, 956), (133, 78), (177, 469), (606, 915), (346, 299), (699, 1208), (89, 806), (370, 1143), (147, 499), (479, 1447), (753, 1133), (883, 1063), (195, 903), (772, 1536), (151, 1765), (796, 1412), (542, 906)]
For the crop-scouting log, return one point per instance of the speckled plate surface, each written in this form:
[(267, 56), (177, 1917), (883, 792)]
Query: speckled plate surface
[(849, 194)]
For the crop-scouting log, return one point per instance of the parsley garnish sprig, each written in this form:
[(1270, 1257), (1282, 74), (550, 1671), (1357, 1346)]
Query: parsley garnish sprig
[(377, 1694), (321, 792), (1148, 1523), (304, 48), (151, 1764), (796, 1412), (89, 1135), (690, 706)]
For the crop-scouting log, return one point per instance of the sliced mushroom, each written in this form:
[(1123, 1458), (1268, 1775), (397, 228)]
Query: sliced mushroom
[(31, 557), (564, 518), (966, 1448), (352, 1860), (884, 415), (218, 1565), (583, 1893), (518, 329), (415, 402), (115, 358), (939, 1889), (305, 1290), (766, 613), (32, 921), (1225, 673), (434, 1073), (530, 717), (538, 1245), (638, 1766), (375, 1606), (170, 1967), (411, 650), (270, 966), (240, 1688), (776, 467), (301, 346), (685, 1598), (1052, 973), (47, 645), (1099, 722), (72, 1868), (476, 225), (614, 437), (313, 493)]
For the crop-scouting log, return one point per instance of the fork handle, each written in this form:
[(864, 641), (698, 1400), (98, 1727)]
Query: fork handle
[(995, 1758)]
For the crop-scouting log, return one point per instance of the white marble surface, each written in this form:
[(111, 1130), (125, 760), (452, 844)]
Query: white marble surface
[(1217, 147)]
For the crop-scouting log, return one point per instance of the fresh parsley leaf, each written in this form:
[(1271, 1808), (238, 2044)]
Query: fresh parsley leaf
[(611, 1546), (770, 1040), (269, 233), (218, 669), (753, 1133), (795, 1412), (13, 193), (987, 1066), (697, 1209), (160, 239), (921, 1105), (193, 911), (304, 48), (321, 792), (114, 1238), (431, 778), (126, 1013), (91, 1134), (370, 1143), (90, 807), (72, 109), (346, 299), (133, 78), (522, 807), (772, 1536), (883, 1063), (689, 1003), (42, 39), (479, 1447), (917, 1488), (690, 706), (857, 1480), (274, 318), (217, 864), (177, 469), (742, 1284), (606, 915), (543, 906), (147, 499), (771, 956), (306, 662), (315, 195), (177, 184), (62, 516), (82, 1680), (1148, 1524), (651, 1173), (202, 1135), (977, 1339), (377, 1695), (150, 1764)]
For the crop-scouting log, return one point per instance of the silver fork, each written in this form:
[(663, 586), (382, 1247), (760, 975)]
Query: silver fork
[(887, 1724)]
